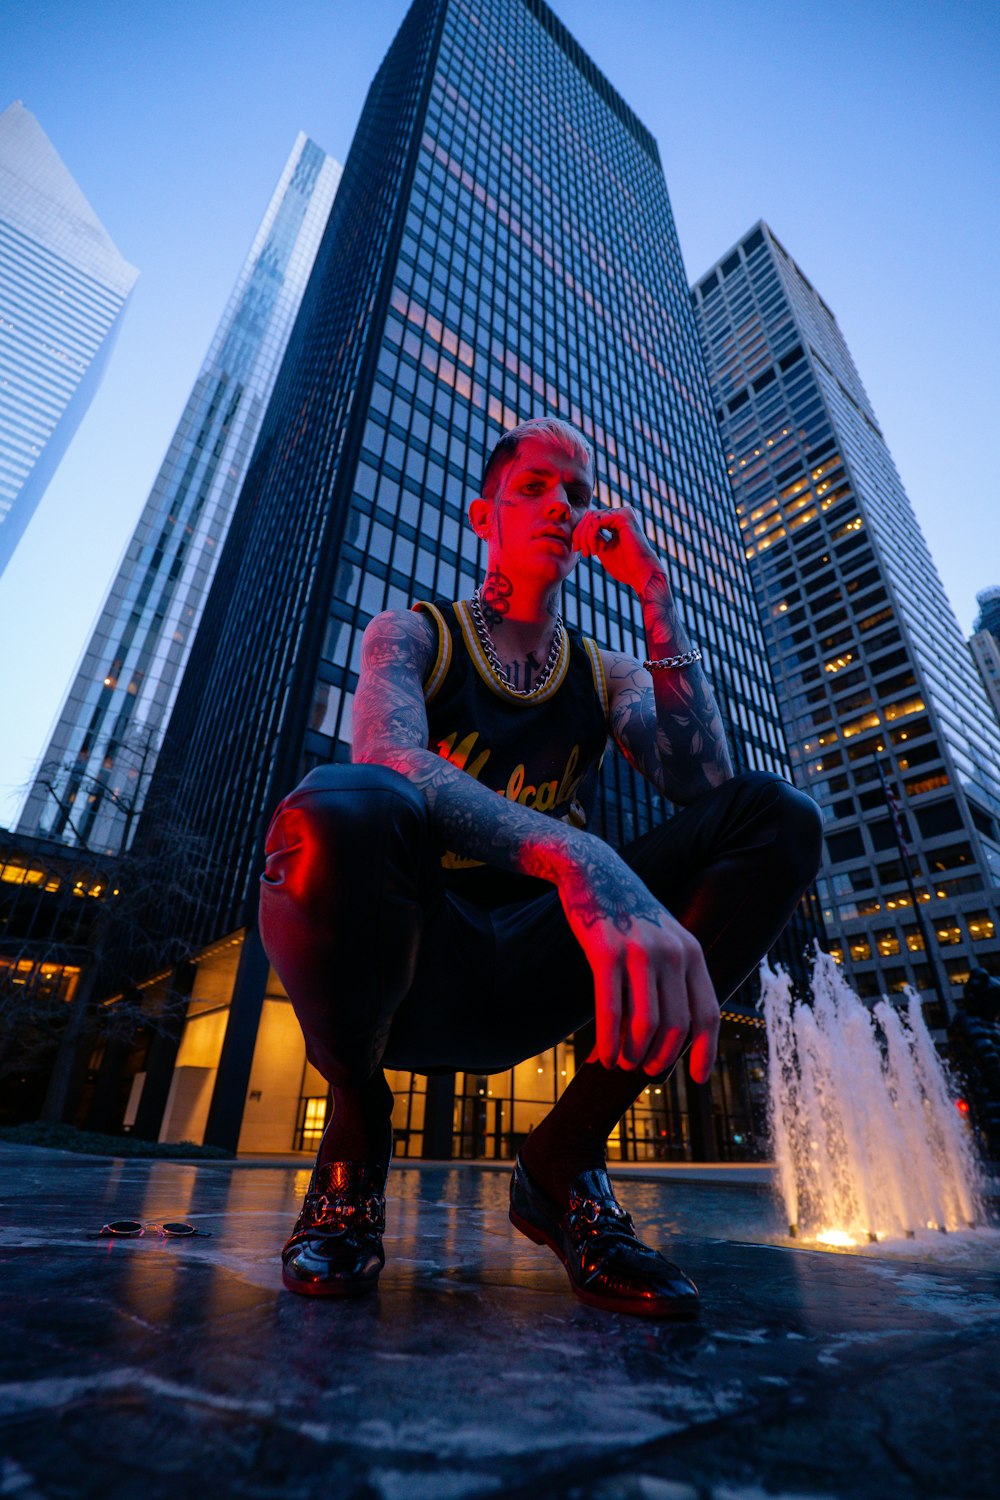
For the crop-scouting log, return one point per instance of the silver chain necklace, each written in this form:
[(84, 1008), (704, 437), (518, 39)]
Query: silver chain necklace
[(486, 641)]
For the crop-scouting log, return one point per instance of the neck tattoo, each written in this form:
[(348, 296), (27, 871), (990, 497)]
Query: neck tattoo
[(486, 641)]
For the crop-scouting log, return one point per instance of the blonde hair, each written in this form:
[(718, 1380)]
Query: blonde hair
[(563, 434)]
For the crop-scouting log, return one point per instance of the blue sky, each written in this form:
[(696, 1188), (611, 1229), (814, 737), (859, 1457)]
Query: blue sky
[(867, 134)]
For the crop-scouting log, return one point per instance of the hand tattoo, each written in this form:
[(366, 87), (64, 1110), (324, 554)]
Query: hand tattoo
[(599, 888)]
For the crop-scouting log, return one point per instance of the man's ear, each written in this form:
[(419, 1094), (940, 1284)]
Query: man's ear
[(481, 516)]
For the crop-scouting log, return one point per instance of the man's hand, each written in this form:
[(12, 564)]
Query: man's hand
[(651, 984), (614, 535)]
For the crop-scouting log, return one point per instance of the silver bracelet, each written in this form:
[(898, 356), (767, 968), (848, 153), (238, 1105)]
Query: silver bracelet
[(685, 659)]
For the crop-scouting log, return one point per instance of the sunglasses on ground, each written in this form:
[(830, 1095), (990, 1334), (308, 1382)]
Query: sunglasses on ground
[(134, 1229)]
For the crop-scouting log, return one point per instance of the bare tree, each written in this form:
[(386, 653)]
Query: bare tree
[(48, 901), (153, 890)]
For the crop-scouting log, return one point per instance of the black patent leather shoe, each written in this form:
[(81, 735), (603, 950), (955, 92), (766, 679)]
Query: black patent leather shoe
[(335, 1249), (607, 1264)]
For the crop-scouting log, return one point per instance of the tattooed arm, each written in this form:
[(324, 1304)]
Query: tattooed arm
[(650, 981), (666, 723)]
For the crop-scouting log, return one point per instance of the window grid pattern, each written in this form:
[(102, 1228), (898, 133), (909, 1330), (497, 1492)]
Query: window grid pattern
[(234, 742), (501, 246), (63, 286), (103, 749), (851, 606), (519, 256), (518, 291)]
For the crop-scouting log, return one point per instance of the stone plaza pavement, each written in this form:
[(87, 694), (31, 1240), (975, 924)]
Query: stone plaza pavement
[(162, 1369)]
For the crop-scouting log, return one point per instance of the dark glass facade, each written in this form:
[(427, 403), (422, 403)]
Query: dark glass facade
[(878, 690), (501, 246)]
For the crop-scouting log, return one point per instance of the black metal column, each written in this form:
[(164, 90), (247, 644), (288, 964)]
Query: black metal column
[(163, 1051), (439, 1110), (701, 1122), (225, 1115)]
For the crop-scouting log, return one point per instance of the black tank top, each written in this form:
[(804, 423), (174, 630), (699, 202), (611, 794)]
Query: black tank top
[(544, 751)]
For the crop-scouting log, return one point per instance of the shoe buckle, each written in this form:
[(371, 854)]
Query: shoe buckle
[(374, 1208), (324, 1210), (593, 1210), (335, 1211)]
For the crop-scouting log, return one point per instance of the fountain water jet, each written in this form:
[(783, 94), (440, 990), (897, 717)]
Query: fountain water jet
[(867, 1140)]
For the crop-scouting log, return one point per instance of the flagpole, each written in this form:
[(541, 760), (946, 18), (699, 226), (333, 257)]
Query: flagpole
[(905, 859)]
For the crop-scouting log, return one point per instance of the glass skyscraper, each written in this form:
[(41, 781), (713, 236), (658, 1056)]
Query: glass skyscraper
[(985, 643), (988, 617), (502, 246), (886, 717), (95, 772), (63, 286)]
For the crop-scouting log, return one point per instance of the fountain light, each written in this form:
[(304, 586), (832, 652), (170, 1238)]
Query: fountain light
[(864, 1125)]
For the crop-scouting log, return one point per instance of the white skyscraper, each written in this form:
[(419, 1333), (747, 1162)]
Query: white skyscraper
[(63, 285), (92, 778)]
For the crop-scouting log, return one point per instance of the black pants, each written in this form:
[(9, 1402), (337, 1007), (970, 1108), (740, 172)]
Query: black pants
[(385, 967)]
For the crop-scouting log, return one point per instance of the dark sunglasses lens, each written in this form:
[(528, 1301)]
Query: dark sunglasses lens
[(124, 1226), (179, 1229)]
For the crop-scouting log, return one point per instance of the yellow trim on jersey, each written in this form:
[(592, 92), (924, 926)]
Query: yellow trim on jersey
[(597, 667), (482, 664), (442, 661)]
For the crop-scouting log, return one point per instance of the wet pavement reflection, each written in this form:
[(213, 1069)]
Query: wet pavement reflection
[(151, 1365)]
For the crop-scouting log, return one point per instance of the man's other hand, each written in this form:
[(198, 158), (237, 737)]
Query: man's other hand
[(615, 537)]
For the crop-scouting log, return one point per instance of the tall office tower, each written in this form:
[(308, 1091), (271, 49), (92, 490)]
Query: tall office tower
[(989, 611), (886, 718), (63, 286), (94, 775), (985, 643), (501, 246)]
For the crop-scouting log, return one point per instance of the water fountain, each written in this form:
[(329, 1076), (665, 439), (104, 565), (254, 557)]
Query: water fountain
[(868, 1142)]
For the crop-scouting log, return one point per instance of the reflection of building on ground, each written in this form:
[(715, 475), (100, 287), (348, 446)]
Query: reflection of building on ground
[(519, 257), (886, 719)]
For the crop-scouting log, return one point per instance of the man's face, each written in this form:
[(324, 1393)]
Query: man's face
[(545, 490)]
